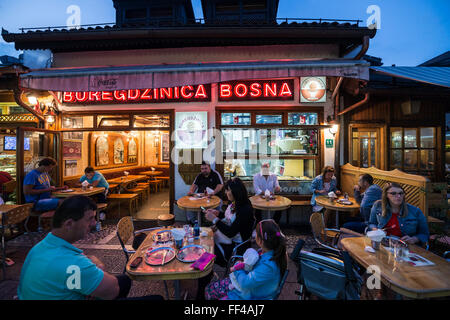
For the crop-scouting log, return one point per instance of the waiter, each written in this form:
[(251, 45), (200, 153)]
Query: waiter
[(266, 181), (206, 179)]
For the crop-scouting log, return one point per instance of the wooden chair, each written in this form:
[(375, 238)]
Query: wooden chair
[(155, 184), (321, 234), (130, 198), (113, 187), (165, 181), (141, 192), (8, 219), (7, 188)]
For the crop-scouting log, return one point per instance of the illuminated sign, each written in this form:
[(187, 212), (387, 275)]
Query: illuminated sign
[(191, 128), (256, 90), (197, 93), (313, 89)]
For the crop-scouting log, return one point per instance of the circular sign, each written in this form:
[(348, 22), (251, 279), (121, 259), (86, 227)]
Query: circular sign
[(313, 89)]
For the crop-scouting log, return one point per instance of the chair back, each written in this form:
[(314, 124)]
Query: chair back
[(280, 287), (9, 186), (18, 214), (318, 227), (125, 230)]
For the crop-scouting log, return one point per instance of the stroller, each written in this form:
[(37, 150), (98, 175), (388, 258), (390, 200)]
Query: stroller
[(327, 274)]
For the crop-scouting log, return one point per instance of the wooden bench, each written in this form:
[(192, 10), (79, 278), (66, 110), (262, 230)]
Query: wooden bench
[(419, 190), (141, 192), (165, 181), (130, 198), (155, 184)]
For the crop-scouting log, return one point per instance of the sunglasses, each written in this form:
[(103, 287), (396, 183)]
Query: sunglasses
[(396, 194)]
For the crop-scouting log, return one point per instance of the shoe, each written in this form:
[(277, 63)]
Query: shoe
[(8, 261)]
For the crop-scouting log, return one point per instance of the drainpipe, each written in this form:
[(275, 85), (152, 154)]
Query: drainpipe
[(356, 105), (365, 47), (335, 96)]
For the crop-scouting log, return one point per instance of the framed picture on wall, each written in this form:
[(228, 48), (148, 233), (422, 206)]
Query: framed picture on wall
[(132, 151), (164, 151), (70, 167)]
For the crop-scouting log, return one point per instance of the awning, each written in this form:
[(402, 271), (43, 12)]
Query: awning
[(439, 76), (165, 76)]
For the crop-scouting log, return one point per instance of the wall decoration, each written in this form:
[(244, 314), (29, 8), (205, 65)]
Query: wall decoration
[(72, 149), (73, 135), (70, 167), (132, 151), (313, 89), (101, 151), (164, 152), (191, 129), (119, 151)]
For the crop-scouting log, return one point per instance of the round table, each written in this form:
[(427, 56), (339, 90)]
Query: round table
[(330, 204), (278, 204), (187, 203)]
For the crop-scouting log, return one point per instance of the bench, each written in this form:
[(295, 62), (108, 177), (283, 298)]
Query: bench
[(420, 192), (130, 198)]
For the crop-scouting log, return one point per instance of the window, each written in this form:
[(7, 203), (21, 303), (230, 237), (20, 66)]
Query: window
[(113, 121), (156, 120), (302, 118), (269, 119), (364, 147), (238, 119), (414, 150)]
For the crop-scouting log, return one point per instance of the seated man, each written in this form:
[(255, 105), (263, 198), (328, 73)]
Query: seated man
[(37, 187), (56, 270), (266, 181), (371, 193), (96, 179), (206, 179)]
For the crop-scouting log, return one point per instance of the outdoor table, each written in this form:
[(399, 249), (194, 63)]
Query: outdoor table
[(175, 269), (417, 282), (278, 204), (79, 192), (187, 203), (330, 204)]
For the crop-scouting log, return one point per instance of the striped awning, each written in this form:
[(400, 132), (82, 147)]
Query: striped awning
[(439, 76), (160, 76)]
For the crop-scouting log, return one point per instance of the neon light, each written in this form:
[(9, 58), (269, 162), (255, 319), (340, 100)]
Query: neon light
[(107, 96), (176, 93), (183, 93), (273, 90), (120, 95), (255, 90), (242, 94), (285, 91), (68, 97), (225, 90), (155, 94), (200, 93), (84, 96), (95, 96), (134, 96), (166, 93), (146, 95)]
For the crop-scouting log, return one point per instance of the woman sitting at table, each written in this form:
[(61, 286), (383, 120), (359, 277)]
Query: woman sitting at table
[(397, 217), (233, 226), (322, 185), (262, 282)]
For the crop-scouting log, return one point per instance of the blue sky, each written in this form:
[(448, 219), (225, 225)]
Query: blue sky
[(412, 31)]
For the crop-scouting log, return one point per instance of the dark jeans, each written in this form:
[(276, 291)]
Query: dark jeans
[(125, 286), (357, 226), (276, 216), (100, 198)]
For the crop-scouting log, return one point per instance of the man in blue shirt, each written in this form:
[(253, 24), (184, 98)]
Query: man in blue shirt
[(96, 179), (372, 193), (38, 189), (56, 270)]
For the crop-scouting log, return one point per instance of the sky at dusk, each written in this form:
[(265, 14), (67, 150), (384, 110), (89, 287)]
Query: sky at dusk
[(412, 31)]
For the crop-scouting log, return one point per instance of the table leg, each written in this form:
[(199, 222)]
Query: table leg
[(199, 218), (177, 289), (337, 219)]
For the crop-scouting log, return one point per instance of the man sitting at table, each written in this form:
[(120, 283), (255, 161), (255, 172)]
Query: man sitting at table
[(266, 181), (365, 193), (54, 269), (207, 178), (38, 189), (96, 179)]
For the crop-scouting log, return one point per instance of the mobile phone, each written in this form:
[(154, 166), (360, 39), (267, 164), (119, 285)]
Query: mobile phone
[(136, 262)]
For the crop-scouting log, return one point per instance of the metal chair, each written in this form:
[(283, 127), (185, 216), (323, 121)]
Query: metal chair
[(280, 287), (323, 235), (9, 219)]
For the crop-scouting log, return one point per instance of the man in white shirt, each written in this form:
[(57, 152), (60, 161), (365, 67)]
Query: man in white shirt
[(266, 181)]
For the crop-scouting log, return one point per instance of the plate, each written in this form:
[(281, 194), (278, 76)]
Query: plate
[(67, 190), (190, 253), (162, 236), (155, 257), (346, 202)]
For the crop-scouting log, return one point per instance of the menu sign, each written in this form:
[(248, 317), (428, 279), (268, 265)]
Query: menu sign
[(197, 93)]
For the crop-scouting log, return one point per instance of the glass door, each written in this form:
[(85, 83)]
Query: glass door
[(364, 153)]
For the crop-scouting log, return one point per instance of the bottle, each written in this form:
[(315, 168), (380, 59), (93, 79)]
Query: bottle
[(196, 230), (98, 226)]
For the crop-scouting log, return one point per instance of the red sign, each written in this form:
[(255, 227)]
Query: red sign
[(256, 90), (198, 93)]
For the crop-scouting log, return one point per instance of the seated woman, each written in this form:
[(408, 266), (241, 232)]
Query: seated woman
[(322, 185), (262, 282), (399, 218), (233, 226)]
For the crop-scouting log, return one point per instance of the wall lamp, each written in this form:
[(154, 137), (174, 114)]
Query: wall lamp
[(334, 129)]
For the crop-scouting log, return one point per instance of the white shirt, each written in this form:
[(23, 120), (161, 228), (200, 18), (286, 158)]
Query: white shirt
[(261, 184)]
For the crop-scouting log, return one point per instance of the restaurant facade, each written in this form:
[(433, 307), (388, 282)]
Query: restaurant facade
[(169, 93)]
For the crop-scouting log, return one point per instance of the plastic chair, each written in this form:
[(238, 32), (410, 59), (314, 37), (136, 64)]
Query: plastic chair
[(323, 235), (9, 219)]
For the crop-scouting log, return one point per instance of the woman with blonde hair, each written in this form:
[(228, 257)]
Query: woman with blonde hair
[(397, 217)]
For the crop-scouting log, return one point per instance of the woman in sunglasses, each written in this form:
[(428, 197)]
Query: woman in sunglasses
[(397, 217), (263, 280)]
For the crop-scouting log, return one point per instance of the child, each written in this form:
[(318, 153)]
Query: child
[(262, 281)]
